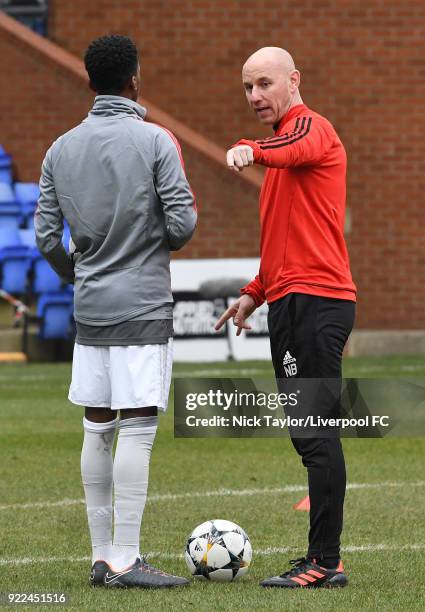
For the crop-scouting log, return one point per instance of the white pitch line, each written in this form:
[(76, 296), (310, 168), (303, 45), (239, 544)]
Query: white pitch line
[(43, 504), (385, 368), (262, 552), (237, 373), (216, 493)]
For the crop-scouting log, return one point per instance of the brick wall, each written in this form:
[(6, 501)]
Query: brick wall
[(362, 66), (39, 101)]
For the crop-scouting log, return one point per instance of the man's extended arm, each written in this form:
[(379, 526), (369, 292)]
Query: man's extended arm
[(48, 225), (174, 191), (306, 142)]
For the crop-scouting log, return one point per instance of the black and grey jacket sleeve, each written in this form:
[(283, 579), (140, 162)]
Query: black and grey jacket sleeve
[(48, 223), (174, 191)]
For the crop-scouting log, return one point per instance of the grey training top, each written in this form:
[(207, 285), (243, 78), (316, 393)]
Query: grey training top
[(120, 183), (130, 333)]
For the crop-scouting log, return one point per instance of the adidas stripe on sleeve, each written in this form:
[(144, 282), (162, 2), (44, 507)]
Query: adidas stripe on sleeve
[(305, 142)]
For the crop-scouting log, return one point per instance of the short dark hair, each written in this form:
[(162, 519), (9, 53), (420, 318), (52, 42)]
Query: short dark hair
[(111, 61)]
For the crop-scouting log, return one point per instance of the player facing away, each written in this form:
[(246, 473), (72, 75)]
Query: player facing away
[(120, 184), (305, 278)]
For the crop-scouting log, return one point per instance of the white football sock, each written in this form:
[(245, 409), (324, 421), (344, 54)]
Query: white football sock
[(131, 473), (96, 473)]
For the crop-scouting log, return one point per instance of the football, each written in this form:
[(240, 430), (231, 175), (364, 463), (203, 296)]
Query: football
[(218, 550)]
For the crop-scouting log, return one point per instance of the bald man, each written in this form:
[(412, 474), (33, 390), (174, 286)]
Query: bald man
[(305, 278)]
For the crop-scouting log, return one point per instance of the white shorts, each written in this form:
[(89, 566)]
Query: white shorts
[(121, 376)]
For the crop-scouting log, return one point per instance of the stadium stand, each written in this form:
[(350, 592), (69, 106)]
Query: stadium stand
[(23, 271)]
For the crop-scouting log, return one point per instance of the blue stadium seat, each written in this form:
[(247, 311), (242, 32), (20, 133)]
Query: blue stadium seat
[(45, 279), (10, 236), (54, 312), (10, 212), (10, 216), (29, 222), (15, 263), (5, 174), (27, 238), (27, 195), (6, 194), (5, 167)]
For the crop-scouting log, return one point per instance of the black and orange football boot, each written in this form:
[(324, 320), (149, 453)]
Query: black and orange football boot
[(306, 573)]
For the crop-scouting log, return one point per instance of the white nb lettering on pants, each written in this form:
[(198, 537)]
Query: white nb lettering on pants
[(289, 365)]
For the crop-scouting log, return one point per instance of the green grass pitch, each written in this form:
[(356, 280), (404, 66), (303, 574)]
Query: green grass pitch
[(44, 545)]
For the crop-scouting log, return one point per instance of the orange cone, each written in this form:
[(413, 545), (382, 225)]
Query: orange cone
[(304, 504)]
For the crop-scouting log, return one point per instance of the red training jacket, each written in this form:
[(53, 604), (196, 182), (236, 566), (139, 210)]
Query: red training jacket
[(302, 209)]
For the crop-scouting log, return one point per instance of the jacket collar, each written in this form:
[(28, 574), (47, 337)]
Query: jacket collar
[(108, 106), (294, 111)]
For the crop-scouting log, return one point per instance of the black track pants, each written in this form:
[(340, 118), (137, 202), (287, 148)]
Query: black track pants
[(307, 337)]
